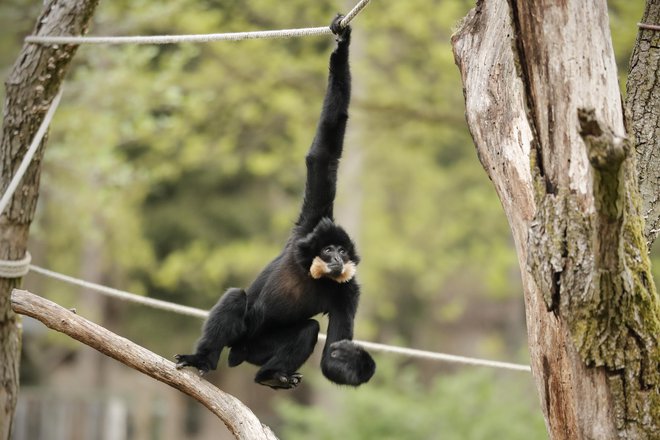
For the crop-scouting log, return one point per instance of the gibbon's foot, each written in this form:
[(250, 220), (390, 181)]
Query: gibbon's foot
[(336, 28), (281, 381), (202, 364), (237, 355)]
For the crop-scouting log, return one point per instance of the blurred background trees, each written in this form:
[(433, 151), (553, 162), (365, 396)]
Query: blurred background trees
[(177, 171)]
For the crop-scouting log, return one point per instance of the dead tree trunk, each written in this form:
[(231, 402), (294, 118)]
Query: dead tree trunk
[(545, 113), (32, 84)]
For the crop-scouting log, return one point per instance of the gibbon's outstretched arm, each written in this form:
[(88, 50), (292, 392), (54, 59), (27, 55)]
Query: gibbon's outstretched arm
[(323, 157)]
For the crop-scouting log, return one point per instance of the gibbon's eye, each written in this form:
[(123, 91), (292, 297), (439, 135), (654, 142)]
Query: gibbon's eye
[(327, 250), (342, 251)]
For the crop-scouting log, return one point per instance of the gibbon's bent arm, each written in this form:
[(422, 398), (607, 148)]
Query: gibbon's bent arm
[(340, 323), (323, 157), (344, 362)]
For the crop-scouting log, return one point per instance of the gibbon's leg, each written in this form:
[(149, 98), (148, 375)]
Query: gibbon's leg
[(281, 353), (224, 326)]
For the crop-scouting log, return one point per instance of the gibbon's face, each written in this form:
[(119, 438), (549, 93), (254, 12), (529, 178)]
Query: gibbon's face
[(333, 261)]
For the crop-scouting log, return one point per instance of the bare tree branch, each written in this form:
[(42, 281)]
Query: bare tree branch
[(240, 420)]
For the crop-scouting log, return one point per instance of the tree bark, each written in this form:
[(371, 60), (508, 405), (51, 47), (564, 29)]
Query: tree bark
[(237, 417), (31, 86), (643, 96), (545, 113)]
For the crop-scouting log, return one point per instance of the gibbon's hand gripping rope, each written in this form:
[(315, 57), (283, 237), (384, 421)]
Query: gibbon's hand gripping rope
[(198, 38)]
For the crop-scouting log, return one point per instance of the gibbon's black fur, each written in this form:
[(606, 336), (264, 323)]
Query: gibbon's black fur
[(270, 324)]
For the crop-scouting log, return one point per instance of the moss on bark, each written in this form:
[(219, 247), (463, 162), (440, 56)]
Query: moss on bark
[(594, 271)]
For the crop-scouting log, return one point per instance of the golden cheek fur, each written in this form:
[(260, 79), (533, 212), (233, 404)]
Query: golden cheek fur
[(319, 269), (347, 274)]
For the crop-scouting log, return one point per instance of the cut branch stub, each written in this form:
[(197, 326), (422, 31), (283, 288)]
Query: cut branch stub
[(606, 153), (605, 150)]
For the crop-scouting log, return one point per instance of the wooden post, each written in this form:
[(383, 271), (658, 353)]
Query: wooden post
[(31, 86)]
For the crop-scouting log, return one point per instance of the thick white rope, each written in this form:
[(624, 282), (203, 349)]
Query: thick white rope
[(199, 313), (171, 39), (32, 149), (15, 268), (197, 38)]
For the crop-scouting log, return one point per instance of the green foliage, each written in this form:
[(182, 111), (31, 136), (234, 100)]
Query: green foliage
[(655, 261), (428, 203), (16, 20), (397, 404), (624, 16)]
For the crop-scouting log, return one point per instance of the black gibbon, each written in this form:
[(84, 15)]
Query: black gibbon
[(270, 324)]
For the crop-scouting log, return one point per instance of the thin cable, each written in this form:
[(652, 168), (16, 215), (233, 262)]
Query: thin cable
[(122, 295), (36, 141), (423, 354), (653, 27), (199, 313), (197, 38)]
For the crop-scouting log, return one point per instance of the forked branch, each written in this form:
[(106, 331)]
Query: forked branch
[(240, 420)]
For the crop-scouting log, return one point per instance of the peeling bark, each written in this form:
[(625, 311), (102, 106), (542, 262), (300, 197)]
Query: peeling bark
[(31, 86), (545, 113), (643, 96)]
